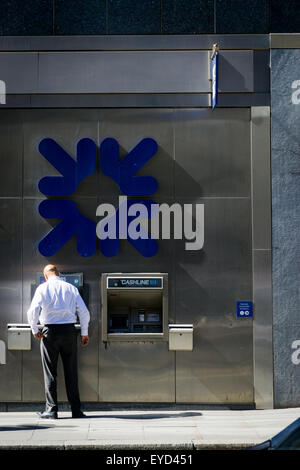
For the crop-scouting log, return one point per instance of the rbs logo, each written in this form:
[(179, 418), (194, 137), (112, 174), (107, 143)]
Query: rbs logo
[(73, 172), (130, 220)]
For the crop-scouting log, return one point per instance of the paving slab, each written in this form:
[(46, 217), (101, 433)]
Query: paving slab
[(144, 429)]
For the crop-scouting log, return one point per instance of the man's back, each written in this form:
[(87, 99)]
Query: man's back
[(58, 296), (56, 302)]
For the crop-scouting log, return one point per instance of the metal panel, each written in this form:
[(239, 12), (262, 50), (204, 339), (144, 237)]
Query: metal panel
[(284, 41), (35, 227), (123, 72), (137, 100), (212, 153), (208, 284), (117, 100), (262, 266), (261, 71), (67, 127), (11, 293), (129, 127), (19, 71), (243, 100), (135, 372), (236, 71), (203, 285), (261, 193), (141, 371), (262, 329), (11, 138), (213, 167), (132, 42)]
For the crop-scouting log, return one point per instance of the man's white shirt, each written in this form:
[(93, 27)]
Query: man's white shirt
[(56, 302)]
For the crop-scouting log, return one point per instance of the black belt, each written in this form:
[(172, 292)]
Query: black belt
[(58, 325)]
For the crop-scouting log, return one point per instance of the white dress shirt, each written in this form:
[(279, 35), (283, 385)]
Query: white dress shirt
[(55, 302)]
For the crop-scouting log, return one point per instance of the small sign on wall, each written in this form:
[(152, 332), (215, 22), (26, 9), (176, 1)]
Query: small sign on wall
[(244, 309)]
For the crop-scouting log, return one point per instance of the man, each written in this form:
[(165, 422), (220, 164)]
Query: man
[(55, 304)]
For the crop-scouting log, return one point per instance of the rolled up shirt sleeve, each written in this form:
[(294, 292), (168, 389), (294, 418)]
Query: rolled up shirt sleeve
[(33, 312), (83, 314)]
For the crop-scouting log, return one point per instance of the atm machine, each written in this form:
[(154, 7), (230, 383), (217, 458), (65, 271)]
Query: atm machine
[(134, 307), (19, 334), (72, 278)]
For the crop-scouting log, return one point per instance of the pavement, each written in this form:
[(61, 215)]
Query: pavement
[(180, 429)]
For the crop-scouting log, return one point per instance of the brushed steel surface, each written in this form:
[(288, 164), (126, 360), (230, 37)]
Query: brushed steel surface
[(66, 127), (243, 100), (261, 71), (236, 71), (262, 257), (123, 72), (203, 157), (136, 372), (11, 138), (132, 42), (140, 100), (67, 259), (10, 292), (123, 100), (284, 41), (263, 329), (261, 189), (212, 153), (136, 100), (208, 284), (19, 71), (129, 127)]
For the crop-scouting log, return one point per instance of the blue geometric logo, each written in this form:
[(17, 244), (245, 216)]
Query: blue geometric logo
[(72, 222), (73, 172), (123, 171)]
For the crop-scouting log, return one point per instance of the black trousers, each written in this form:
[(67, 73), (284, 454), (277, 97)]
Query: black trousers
[(60, 340)]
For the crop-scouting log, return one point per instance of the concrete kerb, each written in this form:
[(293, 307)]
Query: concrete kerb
[(120, 447)]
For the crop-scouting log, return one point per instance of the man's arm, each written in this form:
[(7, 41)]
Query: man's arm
[(33, 313), (84, 318)]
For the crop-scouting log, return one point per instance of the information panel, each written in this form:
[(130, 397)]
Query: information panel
[(244, 309)]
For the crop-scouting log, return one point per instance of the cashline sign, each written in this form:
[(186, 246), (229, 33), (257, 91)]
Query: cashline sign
[(134, 283), (135, 219)]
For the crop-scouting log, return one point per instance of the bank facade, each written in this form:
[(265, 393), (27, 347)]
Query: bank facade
[(89, 119)]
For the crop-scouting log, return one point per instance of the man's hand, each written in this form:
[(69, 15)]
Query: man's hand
[(38, 335), (85, 340)]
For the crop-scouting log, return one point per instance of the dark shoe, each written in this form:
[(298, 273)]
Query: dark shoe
[(47, 414), (78, 414)]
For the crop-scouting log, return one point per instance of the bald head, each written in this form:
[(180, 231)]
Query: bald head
[(49, 271)]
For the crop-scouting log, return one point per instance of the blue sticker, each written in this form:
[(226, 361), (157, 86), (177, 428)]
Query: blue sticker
[(244, 309)]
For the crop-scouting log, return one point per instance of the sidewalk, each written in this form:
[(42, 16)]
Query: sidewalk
[(139, 429)]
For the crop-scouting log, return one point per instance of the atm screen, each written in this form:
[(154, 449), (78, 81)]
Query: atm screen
[(119, 322), (76, 279), (153, 317)]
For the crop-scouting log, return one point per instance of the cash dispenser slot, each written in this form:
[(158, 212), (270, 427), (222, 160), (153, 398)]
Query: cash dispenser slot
[(134, 307)]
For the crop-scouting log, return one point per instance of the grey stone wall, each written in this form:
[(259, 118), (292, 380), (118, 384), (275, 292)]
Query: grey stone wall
[(285, 99)]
